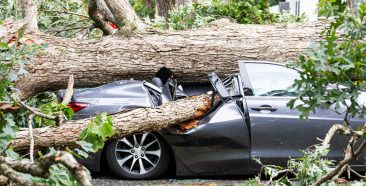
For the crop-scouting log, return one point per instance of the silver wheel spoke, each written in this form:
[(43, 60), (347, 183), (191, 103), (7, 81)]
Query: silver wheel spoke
[(123, 161), (134, 140), (142, 168), (124, 140), (134, 157), (124, 150), (148, 145), (133, 163), (148, 160), (153, 152), (143, 137)]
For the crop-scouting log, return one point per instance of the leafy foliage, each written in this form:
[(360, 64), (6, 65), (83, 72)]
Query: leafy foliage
[(311, 166), (53, 108), (12, 64), (333, 71), (331, 76), (7, 129), (329, 8), (10, 8), (307, 169), (142, 10), (68, 18), (13, 59), (59, 175), (96, 132), (198, 14), (286, 17)]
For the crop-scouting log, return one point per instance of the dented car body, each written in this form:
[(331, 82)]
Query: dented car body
[(250, 120)]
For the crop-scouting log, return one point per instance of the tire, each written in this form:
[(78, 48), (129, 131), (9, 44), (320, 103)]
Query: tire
[(125, 156)]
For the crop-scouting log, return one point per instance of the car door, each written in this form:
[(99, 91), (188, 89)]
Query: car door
[(220, 143), (276, 131)]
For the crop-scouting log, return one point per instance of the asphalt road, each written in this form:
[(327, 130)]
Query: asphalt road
[(105, 181)]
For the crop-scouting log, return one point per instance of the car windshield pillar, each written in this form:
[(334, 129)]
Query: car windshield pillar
[(218, 85)]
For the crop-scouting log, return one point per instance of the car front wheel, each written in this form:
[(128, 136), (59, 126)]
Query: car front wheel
[(138, 156)]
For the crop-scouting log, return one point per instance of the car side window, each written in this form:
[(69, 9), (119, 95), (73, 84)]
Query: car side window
[(271, 79)]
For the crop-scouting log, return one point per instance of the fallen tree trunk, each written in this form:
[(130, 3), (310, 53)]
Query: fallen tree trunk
[(191, 54), (124, 123)]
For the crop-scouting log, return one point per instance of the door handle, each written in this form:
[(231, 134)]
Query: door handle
[(264, 107)]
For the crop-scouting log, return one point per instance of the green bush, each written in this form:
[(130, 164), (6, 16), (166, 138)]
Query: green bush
[(198, 14)]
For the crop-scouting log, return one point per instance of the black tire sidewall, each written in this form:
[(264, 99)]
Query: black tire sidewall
[(157, 172)]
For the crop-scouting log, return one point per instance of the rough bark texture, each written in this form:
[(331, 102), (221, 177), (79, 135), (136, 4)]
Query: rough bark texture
[(126, 18), (137, 120), (191, 54), (29, 11), (13, 169), (96, 13), (149, 4), (164, 6)]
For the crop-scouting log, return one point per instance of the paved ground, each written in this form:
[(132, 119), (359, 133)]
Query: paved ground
[(164, 182)]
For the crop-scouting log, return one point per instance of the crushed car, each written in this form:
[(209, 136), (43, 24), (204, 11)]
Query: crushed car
[(250, 120)]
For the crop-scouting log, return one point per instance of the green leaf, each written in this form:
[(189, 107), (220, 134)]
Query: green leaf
[(73, 153), (10, 153), (69, 113), (4, 46), (96, 132), (81, 153), (85, 145)]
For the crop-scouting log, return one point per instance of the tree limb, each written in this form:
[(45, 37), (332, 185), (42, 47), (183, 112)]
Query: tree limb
[(348, 157), (124, 123), (15, 176), (35, 111), (31, 139), (331, 132), (41, 168), (4, 181), (65, 12), (29, 11), (126, 17), (99, 19), (69, 91)]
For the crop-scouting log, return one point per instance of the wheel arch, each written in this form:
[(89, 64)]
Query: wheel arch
[(172, 163)]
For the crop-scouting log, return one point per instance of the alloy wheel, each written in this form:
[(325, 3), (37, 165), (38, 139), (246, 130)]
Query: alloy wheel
[(138, 153)]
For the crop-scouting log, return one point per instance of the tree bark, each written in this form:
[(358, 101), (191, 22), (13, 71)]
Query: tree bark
[(191, 54), (124, 123), (164, 6), (99, 15), (29, 11), (126, 18)]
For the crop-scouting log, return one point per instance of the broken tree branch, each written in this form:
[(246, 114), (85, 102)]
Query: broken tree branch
[(15, 176), (31, 139), (100, 21), (4, 181), (340, 166), (69, 91), (41, 168), (332, 131), (124, 123), (35, 111), (65, 12)]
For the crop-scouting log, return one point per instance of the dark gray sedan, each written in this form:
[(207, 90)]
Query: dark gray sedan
[(251, 120)]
